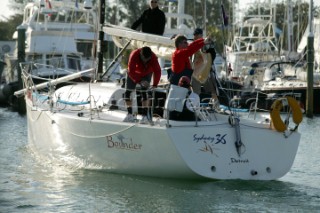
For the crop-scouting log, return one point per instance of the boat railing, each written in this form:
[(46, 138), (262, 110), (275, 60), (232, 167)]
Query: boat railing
[(254, 105), (44, 72), (68, 62), (59, 16), (50, 83), (62, 26), (237, 103)]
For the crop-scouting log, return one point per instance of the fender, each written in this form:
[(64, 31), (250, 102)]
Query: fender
[(276, 120), (201, 66)]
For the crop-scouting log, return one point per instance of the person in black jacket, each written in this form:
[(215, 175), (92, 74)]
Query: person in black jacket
[(152, 20)]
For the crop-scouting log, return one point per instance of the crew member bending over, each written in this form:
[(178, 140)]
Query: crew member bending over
[(143, 63)]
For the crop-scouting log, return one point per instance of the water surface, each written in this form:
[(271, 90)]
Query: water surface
[(31, 184)]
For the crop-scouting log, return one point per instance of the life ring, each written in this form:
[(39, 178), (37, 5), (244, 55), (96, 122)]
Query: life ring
[(276, 121), (201, 66)]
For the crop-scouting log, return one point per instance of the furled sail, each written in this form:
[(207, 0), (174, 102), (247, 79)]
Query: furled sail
[(162, 46)]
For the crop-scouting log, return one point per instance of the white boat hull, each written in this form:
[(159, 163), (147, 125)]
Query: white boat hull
[(179, 150)]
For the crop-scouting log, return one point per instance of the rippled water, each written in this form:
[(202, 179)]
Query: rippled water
[(30, 184)]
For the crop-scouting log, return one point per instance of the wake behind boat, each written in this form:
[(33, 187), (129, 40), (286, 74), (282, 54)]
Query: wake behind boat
[(83, 123)]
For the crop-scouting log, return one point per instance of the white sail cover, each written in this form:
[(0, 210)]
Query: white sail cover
[(162, 46)]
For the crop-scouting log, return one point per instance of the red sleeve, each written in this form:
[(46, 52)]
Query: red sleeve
[(133, 60), (156, 70), (180, 58), (195, 46)]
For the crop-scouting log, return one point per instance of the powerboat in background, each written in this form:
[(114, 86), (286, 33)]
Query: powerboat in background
[(59, 40)]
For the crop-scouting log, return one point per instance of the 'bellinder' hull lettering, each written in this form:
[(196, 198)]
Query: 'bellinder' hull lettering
[(122, 145)]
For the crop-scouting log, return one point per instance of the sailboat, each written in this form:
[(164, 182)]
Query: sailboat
[(82, 125), (267, 81)]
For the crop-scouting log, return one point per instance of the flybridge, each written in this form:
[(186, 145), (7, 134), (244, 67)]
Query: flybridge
[(54, 13), (87, 4)]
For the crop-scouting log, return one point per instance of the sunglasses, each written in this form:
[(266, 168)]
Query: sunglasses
[(154, 2)]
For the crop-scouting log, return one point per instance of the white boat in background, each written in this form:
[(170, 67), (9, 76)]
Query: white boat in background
[(268, 80), (60, 40), (84, 127), (292, 79), (60, 36), (254, 40)]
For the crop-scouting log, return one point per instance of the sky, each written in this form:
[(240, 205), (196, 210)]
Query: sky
[(5, 12)]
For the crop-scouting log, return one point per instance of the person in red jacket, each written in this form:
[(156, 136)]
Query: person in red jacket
[(143, 64), (181, 65)]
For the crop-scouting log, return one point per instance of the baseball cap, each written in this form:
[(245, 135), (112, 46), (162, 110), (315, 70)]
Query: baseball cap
[(184, 81), (198, 31)]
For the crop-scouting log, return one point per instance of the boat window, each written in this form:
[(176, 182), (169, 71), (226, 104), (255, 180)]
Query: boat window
[(53, 17), (85, 48), (36, 58), (39, 17), (60, 17), (91, 19), (73, 17), (81, 17), (74, 63), (55, 61)]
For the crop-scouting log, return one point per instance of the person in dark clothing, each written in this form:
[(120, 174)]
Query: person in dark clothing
[(152, 20)]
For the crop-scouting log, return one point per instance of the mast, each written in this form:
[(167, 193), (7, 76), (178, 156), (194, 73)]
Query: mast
[(289, 24), (310, 61), (102, 11)]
